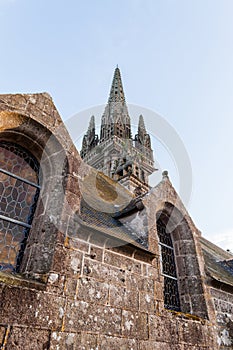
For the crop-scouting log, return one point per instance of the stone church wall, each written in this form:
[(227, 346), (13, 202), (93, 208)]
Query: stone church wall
[(72, 293), (96, 298), (223, 303)]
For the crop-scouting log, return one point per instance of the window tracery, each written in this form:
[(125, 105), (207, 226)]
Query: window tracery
[(171, 293), (19, 192)]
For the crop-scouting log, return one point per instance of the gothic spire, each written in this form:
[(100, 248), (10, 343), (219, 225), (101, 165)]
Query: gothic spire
[(116, 92), (115, 120), (141, 124), (90, 139), (142, 138), (125, 159), (91, 124)]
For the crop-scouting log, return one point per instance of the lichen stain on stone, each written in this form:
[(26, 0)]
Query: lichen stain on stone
[(105, 190), (128, 325), (52, 278), (70, 339), (55, 336), (98, 295), (83, 305), (61, 312), (32, 100), (75, 264), (224, 338)]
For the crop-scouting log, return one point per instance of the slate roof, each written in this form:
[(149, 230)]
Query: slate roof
[(100, 210), (218, 262), (107, 224)]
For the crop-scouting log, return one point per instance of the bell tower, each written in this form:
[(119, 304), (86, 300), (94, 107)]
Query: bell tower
[(116, 153)]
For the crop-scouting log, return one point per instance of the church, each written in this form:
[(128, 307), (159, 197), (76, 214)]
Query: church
[(91, 256)]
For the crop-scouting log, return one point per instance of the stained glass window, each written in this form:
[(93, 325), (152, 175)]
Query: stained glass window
[(171, 294), (19, 191)]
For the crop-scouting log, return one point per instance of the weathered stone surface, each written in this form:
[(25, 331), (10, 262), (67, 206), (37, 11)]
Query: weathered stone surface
[(96, 253), (59, 264), (223, 302), (115, 343), (83, 316), (74, 263), (154, 345), (163, 329), (2, 334), (31, 308), (70, 287), (28, 338), (122, 262), (122, 298), (63, 340), (89, 341), (73, 341), (141, 283), (152, 271), (190, 333), (75, 243), (135, 324), (104, 272), (93, 291), (147, 302)]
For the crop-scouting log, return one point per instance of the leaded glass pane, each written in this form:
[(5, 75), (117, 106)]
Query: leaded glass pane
[(17, 161), (171, 294), (169, 267), (16, 198), (164, 236), (19, 192), (11, 243)]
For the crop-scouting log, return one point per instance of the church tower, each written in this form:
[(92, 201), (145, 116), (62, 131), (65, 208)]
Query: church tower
[(116, 153)]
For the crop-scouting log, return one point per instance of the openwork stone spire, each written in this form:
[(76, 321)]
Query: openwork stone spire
[(141, 124), (116, 92), (117, 154), (142, 139), (115, 120), (91, 124), (90, 139)]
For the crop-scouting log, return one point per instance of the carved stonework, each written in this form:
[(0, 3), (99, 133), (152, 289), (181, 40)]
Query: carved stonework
[(127, 160)]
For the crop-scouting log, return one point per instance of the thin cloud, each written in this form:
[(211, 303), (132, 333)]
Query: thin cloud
[(223, 239)]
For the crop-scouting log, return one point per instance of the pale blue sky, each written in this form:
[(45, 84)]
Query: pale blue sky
[(176, 58)]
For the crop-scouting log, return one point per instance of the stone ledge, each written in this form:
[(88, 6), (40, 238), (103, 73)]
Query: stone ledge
[(19, 280), (187, 316)]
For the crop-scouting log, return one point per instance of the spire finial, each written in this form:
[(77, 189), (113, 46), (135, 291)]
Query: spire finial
[(116, 92), (165, 175), (92, 123), (141, 123)]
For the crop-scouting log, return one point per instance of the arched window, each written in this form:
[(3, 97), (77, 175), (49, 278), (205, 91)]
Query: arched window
[(19, 191), (171, 293)]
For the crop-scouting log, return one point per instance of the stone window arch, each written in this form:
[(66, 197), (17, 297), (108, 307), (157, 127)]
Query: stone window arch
[(58, 161), (187, 259), (19, 192)]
